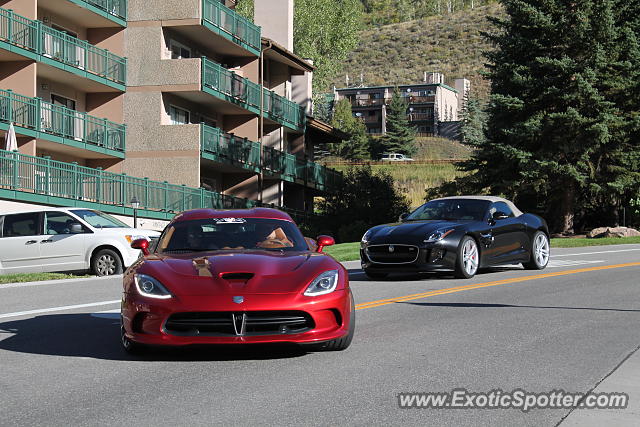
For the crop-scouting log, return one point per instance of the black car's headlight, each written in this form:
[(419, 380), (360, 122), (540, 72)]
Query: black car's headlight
[(438, 235), (325, 283), (149, 287), (365, 238)]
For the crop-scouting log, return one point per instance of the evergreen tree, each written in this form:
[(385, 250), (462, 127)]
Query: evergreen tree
[(357, 146), (563, 111), (401, 135)]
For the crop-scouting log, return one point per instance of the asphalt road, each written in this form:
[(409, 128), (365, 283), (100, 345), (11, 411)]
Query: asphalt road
[(567, 327)]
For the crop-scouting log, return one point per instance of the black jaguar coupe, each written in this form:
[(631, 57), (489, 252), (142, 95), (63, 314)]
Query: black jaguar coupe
[(461, 234)]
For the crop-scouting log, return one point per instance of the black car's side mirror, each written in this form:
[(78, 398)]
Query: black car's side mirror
[(498, 215), (403, 216)]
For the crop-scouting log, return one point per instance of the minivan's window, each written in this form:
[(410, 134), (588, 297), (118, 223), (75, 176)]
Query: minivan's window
[(451, 210), (17, 225), (213, 234), (58, 223), (99, 219)]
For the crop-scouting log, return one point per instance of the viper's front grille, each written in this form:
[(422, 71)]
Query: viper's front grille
[(392, 254), (239, 323)]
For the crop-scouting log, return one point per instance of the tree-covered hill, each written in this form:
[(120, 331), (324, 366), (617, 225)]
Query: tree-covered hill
[(400, 53)]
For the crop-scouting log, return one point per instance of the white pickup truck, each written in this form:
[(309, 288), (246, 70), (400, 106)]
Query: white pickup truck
[(396, 157)]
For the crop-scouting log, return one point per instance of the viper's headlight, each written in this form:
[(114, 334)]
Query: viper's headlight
[(366, 237), (438, 235), (149, 287), (325, 283), (131, 237)]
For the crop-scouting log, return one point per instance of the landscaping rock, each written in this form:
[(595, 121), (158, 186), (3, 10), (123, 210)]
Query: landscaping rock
[(613, 232)]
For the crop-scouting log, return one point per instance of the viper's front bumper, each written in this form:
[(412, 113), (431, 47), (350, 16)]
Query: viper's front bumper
[(144, 318)]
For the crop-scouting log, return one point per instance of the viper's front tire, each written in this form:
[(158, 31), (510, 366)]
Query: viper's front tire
[(540, 252)]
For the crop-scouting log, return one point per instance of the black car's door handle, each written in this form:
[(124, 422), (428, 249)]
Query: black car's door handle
[(31, 242), (47, 241)]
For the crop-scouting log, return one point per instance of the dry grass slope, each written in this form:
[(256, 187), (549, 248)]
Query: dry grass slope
[(401, 53)]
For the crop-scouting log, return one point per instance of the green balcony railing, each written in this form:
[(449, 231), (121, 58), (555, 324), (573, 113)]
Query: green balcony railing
[(229, 148), (60, 48), (231, 25), (40, 179), (229, 84), (113, 7), (281, 109), (73, 127)]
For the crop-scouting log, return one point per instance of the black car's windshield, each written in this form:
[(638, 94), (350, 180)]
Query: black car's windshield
[(231, 233), (451, 210)]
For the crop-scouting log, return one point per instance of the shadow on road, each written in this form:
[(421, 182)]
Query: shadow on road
[(98, 336), (480, 305)]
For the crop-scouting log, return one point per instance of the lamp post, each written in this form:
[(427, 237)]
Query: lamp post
[(135, 204)]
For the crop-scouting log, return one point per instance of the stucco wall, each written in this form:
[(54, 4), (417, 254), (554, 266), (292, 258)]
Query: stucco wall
[(156, 10)]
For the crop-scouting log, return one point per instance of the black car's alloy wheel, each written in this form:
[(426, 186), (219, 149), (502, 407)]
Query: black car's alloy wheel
[(540, 252), (468, 259)]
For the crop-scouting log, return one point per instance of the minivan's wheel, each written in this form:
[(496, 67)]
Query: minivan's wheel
[(468, 258), (128, 345), (106, 262), (540, 250), (375, 275)]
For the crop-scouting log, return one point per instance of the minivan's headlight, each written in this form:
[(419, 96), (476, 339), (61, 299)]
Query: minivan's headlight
[(439, 235), (131, 237), (149, 287), (325, 283)]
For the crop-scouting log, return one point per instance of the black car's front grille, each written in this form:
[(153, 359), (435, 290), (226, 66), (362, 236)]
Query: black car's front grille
[(239, 323), (392, 254)]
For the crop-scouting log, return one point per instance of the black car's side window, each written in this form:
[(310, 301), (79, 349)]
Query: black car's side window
[(21, 225), (501, 207)]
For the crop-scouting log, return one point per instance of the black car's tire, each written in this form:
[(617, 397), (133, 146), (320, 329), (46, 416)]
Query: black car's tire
[(540, 252), (106, 262), (468, 259), (338, 344), (374, 275), (129, 346)]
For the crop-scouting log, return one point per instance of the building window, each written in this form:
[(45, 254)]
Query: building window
[(178, 115), (178, 50), (65, 102)]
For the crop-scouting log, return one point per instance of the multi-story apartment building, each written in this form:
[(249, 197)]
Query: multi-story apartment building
[(429, 104), (177, 104)]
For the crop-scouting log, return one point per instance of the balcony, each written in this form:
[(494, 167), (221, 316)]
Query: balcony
[(420, 117), (219, 146), (34, 40), (42, 180), (290, 168), (230, 25), (96, 13), (367, 102), (284, 111), (40, 119), (227, 85)]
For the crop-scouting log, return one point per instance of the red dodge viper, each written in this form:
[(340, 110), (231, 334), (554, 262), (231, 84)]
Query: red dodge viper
[(236, 277)]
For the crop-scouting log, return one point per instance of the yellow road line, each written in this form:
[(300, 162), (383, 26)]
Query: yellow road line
[(378, 303)]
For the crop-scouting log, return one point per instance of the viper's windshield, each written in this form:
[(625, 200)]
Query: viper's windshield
[(231, 233), (451, 210)]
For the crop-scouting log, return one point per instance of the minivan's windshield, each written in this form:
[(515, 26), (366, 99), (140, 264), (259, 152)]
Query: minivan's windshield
[(451, 210), (212, 234), (99, 219)]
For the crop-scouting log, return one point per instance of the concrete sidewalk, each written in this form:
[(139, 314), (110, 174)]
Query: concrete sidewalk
[(624, 379)]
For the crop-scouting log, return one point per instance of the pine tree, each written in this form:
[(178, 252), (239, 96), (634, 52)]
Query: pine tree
[(357, 146), (563, 108), (401, 135)]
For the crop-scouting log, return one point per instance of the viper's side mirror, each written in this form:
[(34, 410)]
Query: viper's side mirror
[(325, 241), (142, 244)]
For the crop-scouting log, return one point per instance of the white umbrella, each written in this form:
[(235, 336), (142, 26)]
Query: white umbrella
[(11, 143)]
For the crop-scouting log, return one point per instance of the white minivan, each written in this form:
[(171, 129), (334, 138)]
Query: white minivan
[(67, 239)]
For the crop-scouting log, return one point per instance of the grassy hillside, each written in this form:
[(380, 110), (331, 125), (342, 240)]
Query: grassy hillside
[(401, 53), (413, 179)]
